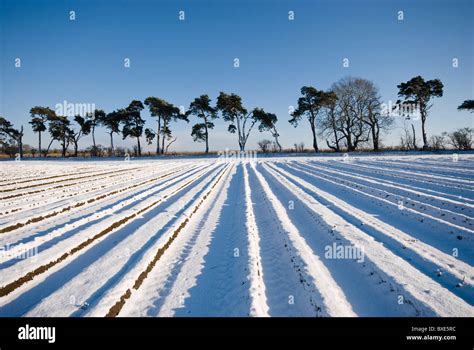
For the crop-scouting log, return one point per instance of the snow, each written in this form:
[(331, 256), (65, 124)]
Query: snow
[(213, 237)]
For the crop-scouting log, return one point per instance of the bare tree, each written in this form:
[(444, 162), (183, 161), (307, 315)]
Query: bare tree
[(330, 125), (437, 142), (370, 112), (264, 145), (299, 147), (461, 139), (352, 106), (408, 140)]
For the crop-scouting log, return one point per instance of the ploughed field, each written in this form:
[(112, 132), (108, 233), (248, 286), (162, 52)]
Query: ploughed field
[(286, 236)]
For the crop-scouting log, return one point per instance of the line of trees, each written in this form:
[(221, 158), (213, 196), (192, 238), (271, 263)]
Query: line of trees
[(129, 123), (348, 115)]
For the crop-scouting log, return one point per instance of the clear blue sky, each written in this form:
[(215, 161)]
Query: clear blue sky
[(81, 61)]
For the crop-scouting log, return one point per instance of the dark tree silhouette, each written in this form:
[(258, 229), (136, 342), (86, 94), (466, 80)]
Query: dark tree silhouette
[(172, 115), (201, 108), (84, 129), (111, 122), (165, 113), (467, 105), (241, 121), (267, 123), (59, 129), (149, 136), (133, 123), (6, 128), (418, 92), (94, 118), (309, 105), (39, 118)]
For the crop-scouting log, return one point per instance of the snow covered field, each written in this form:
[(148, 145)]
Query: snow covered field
[(315, 236)]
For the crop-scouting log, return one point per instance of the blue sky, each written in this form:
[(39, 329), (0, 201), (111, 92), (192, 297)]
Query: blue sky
[(81, 61)]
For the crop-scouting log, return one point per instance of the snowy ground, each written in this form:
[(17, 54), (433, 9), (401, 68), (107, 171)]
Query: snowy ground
[(306, 236)]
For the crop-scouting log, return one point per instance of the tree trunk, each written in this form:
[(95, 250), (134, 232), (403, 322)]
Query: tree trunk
[(20, 146), (275, 136), (336, 141), (207, 136), (375, 139), (158, 137), (49, 146), (63, 145), (414, 137), (278, 143), (93, 136), (112, 153), (242, 145), (313, 130), (163, 141), (139, 150), (39, 143), (423, 132), (350, 146)]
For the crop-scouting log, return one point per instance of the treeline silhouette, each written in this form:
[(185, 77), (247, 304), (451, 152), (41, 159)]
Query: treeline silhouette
[(348, 115)]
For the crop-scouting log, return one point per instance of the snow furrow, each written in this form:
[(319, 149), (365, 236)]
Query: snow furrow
[(437, 187), (160, 250), (391, 184), (169, 289), (413, 282), (105, 228), (458, 268), (467, 184), (382, 195), (80, 204), (115, 264), (423, 168), (52, 199), (314, 235), (43, 243), (33, 186), (326, 294), (259, 305), (431, 266)]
